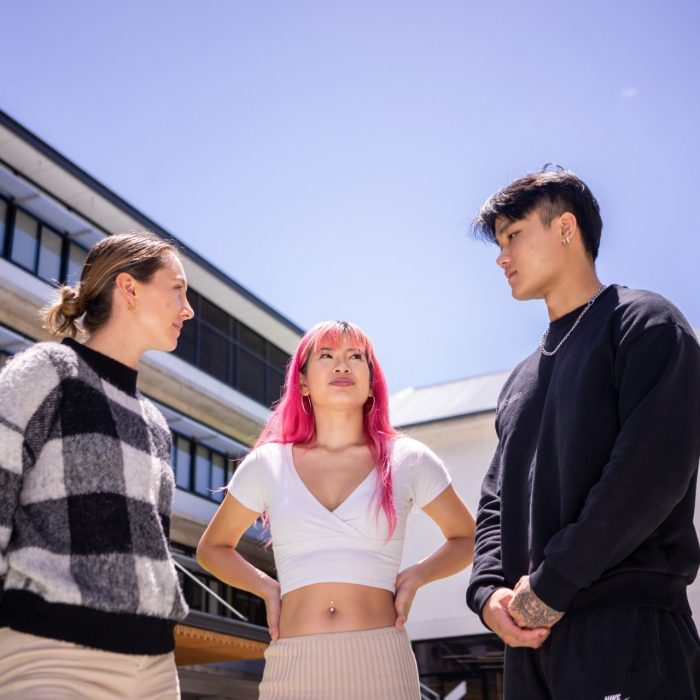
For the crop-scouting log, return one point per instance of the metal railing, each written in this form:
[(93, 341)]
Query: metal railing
[(209, 591), (206, 594), (428, 693)]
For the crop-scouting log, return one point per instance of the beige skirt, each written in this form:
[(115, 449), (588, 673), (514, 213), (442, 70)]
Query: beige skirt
[(376, 664)]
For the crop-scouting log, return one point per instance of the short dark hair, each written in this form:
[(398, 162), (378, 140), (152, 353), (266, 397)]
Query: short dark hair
[(551, 192)]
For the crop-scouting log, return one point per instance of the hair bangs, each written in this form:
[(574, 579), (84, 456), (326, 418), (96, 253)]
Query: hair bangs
[(332, 334)]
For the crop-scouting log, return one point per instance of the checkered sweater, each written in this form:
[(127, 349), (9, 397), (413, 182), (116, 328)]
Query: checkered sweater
[(85, 496)]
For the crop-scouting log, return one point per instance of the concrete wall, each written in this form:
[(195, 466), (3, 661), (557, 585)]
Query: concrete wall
[(466, 446)]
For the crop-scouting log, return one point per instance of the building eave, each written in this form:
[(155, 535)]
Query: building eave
[(139, 218)]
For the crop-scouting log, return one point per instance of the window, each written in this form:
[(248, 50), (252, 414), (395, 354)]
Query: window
[(76, 258), (218, 475), (213, 353), (215, 317), (251, 340), (277, 357), (183, 461), (214, 341), (202, 471), (25, 240), (50, 255), (209, 471), (251, 376), (4, 357), (3, 224), (275, 383), (187, 342), (11, 342), (245, 603), (227, 349), (213, 604), (37, 247)]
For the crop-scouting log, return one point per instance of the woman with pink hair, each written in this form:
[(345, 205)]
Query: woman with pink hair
[(335, 483)]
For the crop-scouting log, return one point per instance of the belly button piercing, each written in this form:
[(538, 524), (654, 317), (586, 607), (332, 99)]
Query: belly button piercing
[(331, 609)]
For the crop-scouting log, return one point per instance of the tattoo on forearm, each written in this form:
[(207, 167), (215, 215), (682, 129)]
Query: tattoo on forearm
[(530, 611)]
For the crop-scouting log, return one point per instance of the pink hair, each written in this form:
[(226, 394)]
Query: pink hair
[(289, 421)]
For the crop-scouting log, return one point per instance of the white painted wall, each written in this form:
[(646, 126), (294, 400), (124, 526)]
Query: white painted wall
[(466, 446)]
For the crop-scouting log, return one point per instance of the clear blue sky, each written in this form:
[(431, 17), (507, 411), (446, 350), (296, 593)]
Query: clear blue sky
[(330, 155)]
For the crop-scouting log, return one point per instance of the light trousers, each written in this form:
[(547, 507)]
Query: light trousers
[(39, 668)]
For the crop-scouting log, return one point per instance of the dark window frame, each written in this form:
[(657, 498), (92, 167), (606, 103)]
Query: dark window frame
[(230, 461), (273, 371), (246, 603), (269, 354), (4, 357), (6, 226), (66, 241)]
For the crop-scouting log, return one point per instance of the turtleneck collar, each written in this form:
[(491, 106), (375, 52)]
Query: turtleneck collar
[(111, 370)]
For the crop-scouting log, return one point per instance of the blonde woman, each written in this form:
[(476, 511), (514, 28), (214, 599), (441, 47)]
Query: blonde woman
[(89, 593)]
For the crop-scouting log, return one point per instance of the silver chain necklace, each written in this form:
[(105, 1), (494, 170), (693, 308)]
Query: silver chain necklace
[(543, 339)]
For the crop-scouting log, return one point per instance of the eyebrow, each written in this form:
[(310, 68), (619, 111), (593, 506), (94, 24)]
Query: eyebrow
[(347, 350), (501, 231)]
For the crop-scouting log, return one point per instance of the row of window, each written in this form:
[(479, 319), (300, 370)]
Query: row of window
[(247, 604), (230, 351), (37, 247), (214, 341), (200, 469), (250, 606)]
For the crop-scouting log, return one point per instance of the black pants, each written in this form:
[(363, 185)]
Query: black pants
[(633, 653)]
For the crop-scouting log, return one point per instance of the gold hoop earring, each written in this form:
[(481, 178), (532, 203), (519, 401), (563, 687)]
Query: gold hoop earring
[(303, 408)]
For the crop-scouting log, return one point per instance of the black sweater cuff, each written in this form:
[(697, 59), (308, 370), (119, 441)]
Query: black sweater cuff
[(552, 588)]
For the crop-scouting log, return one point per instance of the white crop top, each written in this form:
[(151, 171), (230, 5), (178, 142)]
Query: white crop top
[(348, 545)]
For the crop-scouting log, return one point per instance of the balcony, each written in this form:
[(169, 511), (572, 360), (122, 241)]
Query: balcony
[(219, 647)]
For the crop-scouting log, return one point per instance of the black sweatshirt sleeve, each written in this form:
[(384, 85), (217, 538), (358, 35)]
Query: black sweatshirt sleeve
[(651, 466), (487, 572)]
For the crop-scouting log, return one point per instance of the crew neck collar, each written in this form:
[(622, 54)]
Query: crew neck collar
[(567, 319)]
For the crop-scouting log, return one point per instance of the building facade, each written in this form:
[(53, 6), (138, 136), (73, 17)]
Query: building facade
[(214, 390)]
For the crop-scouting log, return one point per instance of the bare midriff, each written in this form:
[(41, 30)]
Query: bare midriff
[(335, 607)]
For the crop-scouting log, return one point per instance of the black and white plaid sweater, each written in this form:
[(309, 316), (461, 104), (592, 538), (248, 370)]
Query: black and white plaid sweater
[(85, 498)]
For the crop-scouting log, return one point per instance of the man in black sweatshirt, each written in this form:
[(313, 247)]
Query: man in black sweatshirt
[(585, 542)]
